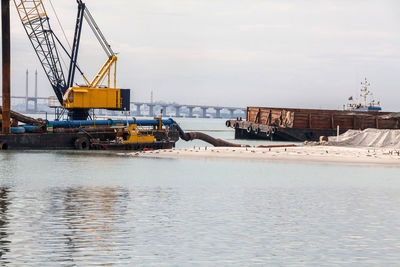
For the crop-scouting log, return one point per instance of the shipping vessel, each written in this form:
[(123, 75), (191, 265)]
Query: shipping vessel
[(294, 124)]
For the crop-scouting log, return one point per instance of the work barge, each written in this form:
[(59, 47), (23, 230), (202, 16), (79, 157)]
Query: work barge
[(78, 131), (109, 134), (27, 133), (292, 124)]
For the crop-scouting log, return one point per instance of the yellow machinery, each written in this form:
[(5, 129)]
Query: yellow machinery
[(93, 96), (84, 97), (131, 134)]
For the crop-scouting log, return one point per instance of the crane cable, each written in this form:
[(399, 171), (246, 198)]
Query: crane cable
[(59, 24), (65, 36), (62, 29)]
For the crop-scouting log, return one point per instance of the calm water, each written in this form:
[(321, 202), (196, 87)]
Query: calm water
[(82, 209)]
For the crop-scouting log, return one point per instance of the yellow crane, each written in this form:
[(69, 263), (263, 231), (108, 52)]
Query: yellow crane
[(77, 99)]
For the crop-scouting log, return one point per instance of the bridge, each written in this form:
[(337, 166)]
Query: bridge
[(177, 110), (146, 109)]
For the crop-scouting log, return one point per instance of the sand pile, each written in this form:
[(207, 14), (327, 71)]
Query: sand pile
[(367, 138)]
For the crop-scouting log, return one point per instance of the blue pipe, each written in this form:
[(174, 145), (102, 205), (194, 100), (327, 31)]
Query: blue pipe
[(25, 129), (31, 129), (109, 122), (17, 130)]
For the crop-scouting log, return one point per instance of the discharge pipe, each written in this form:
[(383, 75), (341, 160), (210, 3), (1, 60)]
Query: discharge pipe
[(168, 122), (205, 137)]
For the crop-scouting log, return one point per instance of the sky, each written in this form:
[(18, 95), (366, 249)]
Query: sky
[(300, 53)]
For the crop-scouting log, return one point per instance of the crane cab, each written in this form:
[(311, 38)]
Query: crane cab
[(97, 98)]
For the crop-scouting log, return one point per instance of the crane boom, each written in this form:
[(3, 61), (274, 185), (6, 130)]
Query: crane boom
[(99, 35), (34, 18), (75, 44)]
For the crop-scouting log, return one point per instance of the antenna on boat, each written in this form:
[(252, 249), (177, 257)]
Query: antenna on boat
[(364, 91)]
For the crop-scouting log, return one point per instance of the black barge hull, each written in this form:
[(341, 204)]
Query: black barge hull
[(77, 141), (285, 134), (47, 141)]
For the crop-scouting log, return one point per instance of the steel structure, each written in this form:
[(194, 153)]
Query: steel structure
[(6, 61), (35, 20)]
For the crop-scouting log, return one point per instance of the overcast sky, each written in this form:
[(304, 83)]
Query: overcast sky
[(282, 53)]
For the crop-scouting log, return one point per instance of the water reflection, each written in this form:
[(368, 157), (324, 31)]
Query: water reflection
[(89, 216), (8, 167), (4, 202), (74, 225)]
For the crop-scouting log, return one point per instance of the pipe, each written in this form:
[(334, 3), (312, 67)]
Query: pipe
[(276, 146), (204, 137), (36, 91), (211, 140), (26, 91), (17, 130), (86, 130), (5, 30), (109, 122), (33, 129), (25, 119)]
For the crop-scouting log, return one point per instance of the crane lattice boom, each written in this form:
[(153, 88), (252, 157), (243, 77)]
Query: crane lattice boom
[(34, 18)]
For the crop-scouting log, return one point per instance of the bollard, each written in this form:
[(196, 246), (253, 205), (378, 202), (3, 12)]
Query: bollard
[(337, 133)]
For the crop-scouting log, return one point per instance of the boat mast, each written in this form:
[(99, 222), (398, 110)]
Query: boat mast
[(364, 91)]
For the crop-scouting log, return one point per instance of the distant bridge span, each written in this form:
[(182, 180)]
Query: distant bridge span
[(152, 109), (206, 111)]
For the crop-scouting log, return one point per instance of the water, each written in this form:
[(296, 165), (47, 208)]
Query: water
[(83, 209)]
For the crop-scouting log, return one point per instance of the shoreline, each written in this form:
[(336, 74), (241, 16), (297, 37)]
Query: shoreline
[(310, 154)]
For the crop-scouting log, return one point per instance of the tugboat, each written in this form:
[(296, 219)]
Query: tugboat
[(363, 103)]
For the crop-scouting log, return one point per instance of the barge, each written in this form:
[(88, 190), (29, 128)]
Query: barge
[(290, 124), (92, 135), (294, 124)]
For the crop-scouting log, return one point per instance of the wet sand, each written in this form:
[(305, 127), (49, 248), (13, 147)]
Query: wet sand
[(320, 154)]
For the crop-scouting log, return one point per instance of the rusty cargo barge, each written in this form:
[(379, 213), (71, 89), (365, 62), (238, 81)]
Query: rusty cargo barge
[(291, 124)]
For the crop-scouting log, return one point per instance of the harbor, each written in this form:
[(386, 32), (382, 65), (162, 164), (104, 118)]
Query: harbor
[(199, 134)]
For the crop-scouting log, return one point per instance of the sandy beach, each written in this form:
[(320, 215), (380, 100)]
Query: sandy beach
[(320, 154)]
